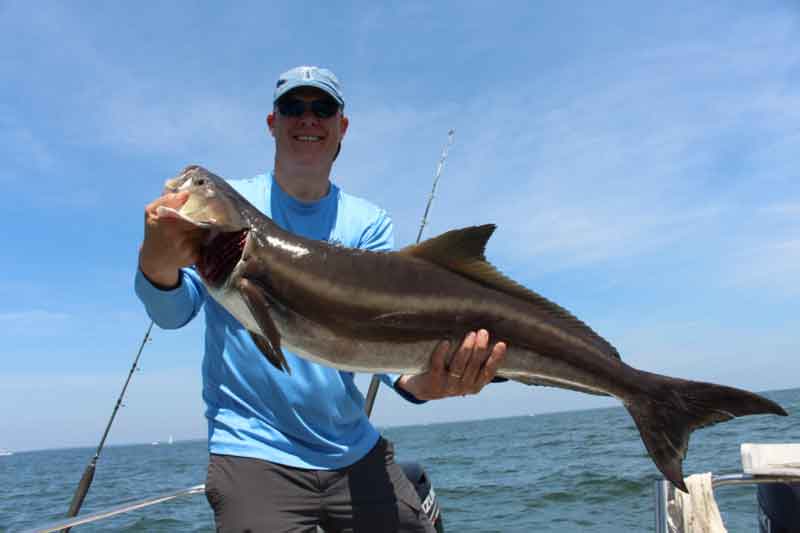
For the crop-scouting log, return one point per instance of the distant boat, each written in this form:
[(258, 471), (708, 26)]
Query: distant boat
[(155, 443), (170, 440), (3, 452)]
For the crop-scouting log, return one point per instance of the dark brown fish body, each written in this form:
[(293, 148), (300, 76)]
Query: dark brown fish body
[(384, 312)]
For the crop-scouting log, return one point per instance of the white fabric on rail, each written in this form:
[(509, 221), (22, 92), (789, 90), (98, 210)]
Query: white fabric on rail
[(696, 512)]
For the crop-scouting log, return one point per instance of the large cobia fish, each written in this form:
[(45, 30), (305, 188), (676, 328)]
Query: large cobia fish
[(385, 312)]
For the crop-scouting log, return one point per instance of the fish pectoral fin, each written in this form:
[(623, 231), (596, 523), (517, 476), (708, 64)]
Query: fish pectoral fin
[(273, 356), (270, 341)]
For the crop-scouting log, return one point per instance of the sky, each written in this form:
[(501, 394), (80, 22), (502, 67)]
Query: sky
[(639, 159)]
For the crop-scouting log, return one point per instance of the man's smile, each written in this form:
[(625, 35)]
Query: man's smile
[(308, 138)]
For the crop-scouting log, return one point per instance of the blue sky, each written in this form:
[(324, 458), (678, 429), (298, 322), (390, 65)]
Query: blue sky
[(639, 160)]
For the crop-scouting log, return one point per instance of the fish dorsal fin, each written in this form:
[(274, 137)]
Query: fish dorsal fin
[(455, 247), (462, 251)]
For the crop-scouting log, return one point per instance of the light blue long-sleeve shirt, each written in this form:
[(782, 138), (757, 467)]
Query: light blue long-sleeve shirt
[(313, 418)]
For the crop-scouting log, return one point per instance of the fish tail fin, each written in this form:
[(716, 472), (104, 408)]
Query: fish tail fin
[(669, 409)]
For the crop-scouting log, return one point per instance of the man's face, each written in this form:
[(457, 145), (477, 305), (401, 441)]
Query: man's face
[(307, 140)]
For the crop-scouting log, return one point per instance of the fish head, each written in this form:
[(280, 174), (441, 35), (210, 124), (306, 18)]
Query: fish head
[(217, 207), (212, 202)]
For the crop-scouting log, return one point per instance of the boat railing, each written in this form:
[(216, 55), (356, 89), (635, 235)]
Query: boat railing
[(120, 509), (104, 514), (663, 489)]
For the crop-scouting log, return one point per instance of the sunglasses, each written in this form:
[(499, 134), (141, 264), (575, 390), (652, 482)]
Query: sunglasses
[(322, 108)]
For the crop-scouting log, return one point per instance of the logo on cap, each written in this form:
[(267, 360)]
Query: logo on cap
[(320, 78)]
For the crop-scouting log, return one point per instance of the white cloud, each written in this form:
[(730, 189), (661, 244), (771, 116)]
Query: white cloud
[(633, 164), (31, 318), (787, 210), (14, 289), (767, 255), (574, 236), (107, 102), (157, 404), (773, 266), (25, 150), (142, 119), (702, 348), (636, 162), (37, 326)]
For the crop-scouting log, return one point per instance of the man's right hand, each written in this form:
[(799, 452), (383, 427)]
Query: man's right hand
[(170, 243)]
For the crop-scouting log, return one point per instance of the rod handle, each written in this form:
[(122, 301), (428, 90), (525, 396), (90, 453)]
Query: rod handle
[(80, 492)]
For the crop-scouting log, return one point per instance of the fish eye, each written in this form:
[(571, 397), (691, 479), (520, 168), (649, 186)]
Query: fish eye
[(200, 181)]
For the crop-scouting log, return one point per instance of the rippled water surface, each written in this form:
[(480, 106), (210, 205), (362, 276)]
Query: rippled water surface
[(575, 471)]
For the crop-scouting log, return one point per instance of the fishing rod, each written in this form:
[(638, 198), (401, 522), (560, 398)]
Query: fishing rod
[(88, 474), (375, 383)]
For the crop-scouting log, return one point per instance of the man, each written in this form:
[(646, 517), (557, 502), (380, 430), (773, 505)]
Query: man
[(290, 452)]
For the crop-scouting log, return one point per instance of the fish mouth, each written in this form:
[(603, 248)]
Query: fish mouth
[(221, 255)]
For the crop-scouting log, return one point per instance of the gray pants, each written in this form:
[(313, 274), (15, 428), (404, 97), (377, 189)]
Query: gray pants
[(371, 496)]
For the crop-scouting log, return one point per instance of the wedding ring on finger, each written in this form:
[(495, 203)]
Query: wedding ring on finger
[(454, 374)]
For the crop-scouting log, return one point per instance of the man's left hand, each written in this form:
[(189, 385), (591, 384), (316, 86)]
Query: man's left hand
[(472, 366)]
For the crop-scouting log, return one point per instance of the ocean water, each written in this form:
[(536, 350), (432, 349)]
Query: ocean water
[(571, 471)]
